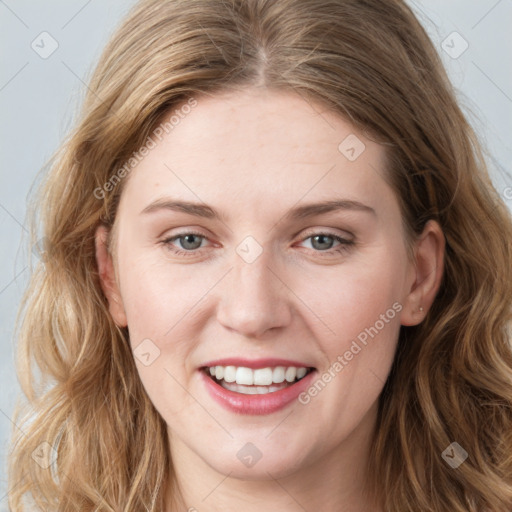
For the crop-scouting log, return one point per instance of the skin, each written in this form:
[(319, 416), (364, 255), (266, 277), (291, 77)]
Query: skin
[(254, 155)]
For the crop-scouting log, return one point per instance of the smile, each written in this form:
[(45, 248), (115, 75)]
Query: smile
[(255, 387), (248, 381)]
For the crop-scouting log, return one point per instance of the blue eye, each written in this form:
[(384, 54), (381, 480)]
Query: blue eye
[(320, 238), (190, 245), (187, 238)]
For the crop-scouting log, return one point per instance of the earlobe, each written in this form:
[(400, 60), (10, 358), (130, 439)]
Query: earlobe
[(428, 272), (107, 277)]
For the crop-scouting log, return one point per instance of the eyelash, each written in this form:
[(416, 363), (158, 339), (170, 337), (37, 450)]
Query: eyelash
[(345, 245)]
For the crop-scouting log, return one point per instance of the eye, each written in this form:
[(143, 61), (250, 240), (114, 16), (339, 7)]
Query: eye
[(189, 243), (323, 241)]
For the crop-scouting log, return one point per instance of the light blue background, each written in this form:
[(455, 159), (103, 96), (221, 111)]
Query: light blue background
[(39, 97)]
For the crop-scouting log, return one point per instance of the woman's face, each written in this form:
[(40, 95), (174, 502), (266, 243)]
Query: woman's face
[(256, 278)]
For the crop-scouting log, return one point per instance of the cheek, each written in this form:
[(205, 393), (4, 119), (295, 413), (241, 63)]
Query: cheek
[(158, 306), (157, 297), (362, 312), (356, 298)]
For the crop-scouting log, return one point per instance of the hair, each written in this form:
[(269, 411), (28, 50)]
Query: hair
[(369, 61)]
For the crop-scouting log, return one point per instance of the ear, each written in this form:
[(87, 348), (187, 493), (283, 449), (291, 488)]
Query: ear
[(108, 278), (427, 274)]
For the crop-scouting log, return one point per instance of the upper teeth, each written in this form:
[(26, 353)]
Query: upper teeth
[(259, 377)]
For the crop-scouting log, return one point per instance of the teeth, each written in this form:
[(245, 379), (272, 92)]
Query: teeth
[(259, 377), (278, 374), (230, 373), (251, 390), (263, 377), (290, 374), (244, 376)]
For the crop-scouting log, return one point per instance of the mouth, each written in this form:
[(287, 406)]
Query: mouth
[(256, 381)]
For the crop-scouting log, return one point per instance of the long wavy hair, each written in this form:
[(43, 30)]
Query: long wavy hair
[(88, 437)]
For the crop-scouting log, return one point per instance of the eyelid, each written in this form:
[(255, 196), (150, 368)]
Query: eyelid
[(327, 231)]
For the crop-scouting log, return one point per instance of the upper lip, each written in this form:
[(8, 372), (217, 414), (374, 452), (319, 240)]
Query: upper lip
[(255, 363)]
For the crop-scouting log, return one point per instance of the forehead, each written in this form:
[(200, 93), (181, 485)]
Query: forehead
[(255, 149)]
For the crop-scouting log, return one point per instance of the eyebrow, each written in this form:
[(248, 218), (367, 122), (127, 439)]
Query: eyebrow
[(297, 213)]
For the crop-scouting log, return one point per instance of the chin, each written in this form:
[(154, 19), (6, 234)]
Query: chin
[(248, 463)]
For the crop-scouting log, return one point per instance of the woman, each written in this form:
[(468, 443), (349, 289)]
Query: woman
[(205, 349)]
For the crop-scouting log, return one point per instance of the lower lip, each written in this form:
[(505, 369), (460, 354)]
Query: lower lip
[(256, 404)]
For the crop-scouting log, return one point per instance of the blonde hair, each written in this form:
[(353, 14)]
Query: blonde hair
[(371, 62)]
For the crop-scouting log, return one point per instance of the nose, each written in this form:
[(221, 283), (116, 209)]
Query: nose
[(254, 298)]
